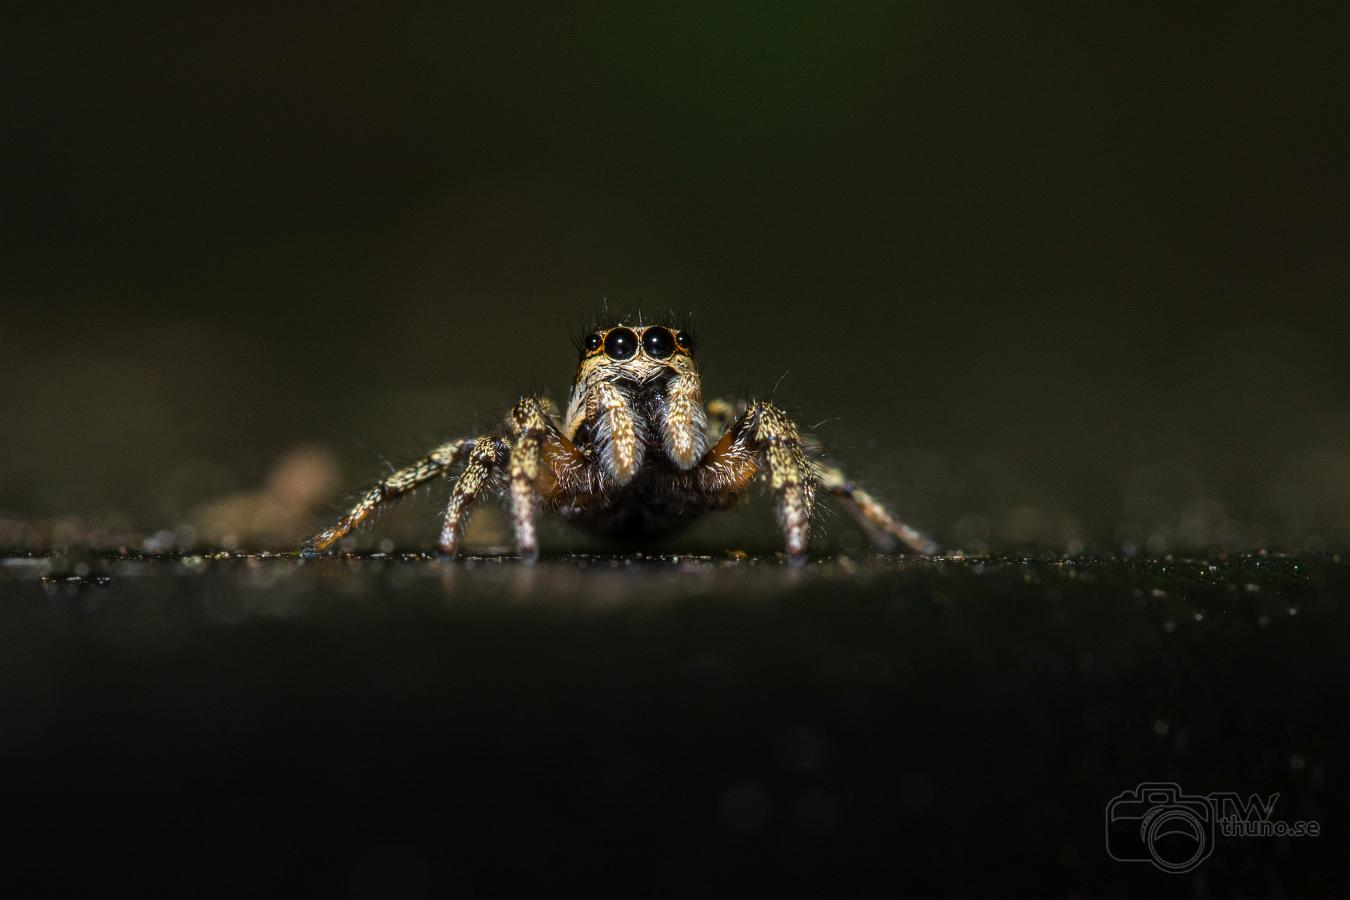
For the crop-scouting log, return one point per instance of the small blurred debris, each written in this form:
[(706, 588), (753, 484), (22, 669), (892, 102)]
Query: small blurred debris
[(107, 530), (299, 487)]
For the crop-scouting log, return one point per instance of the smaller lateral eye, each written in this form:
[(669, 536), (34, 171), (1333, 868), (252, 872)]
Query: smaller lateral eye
[(592, 343), (683, 341)]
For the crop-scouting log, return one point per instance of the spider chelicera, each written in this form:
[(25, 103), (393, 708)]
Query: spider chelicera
[(637, 454)]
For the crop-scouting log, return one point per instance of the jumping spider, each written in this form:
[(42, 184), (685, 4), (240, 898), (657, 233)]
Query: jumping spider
[(637, 454)]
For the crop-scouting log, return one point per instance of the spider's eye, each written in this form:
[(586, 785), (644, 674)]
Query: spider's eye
[(658, 343), (683, 341), (621, 343), (592, 343)]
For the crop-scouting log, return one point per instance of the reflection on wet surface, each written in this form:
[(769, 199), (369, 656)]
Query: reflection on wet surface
[(263, 721), (283, 584)]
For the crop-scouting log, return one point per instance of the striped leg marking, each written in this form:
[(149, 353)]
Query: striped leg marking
[(765, 431), (882, 527), (533, 428), (386, 490), (485, 461)]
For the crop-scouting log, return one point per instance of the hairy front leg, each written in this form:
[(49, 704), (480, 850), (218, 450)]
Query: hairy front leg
[(883, 528), (485, 462), (764, 441), (538, 452), (390, 488)]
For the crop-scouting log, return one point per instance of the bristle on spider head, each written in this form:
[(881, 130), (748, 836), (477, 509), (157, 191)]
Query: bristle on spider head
[(606, 318)]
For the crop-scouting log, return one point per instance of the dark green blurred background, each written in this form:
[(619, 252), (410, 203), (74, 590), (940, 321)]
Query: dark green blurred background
[(1064, 276)]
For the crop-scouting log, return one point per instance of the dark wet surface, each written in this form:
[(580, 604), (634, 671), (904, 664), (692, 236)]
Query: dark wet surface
[(399, 726)]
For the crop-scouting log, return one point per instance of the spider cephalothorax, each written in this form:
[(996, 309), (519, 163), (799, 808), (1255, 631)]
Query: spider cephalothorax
[(636, 453), (634, 386)]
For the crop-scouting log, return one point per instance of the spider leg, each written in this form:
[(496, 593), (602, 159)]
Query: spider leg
[(390, 488), (485, 461), (537, 453), (882, 527), (764, 439), (722, 413)]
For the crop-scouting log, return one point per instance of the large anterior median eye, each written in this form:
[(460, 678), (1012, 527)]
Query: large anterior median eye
[(658, 342), (621, 343)]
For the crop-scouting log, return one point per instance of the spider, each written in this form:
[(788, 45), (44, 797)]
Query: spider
[(637, 454)]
